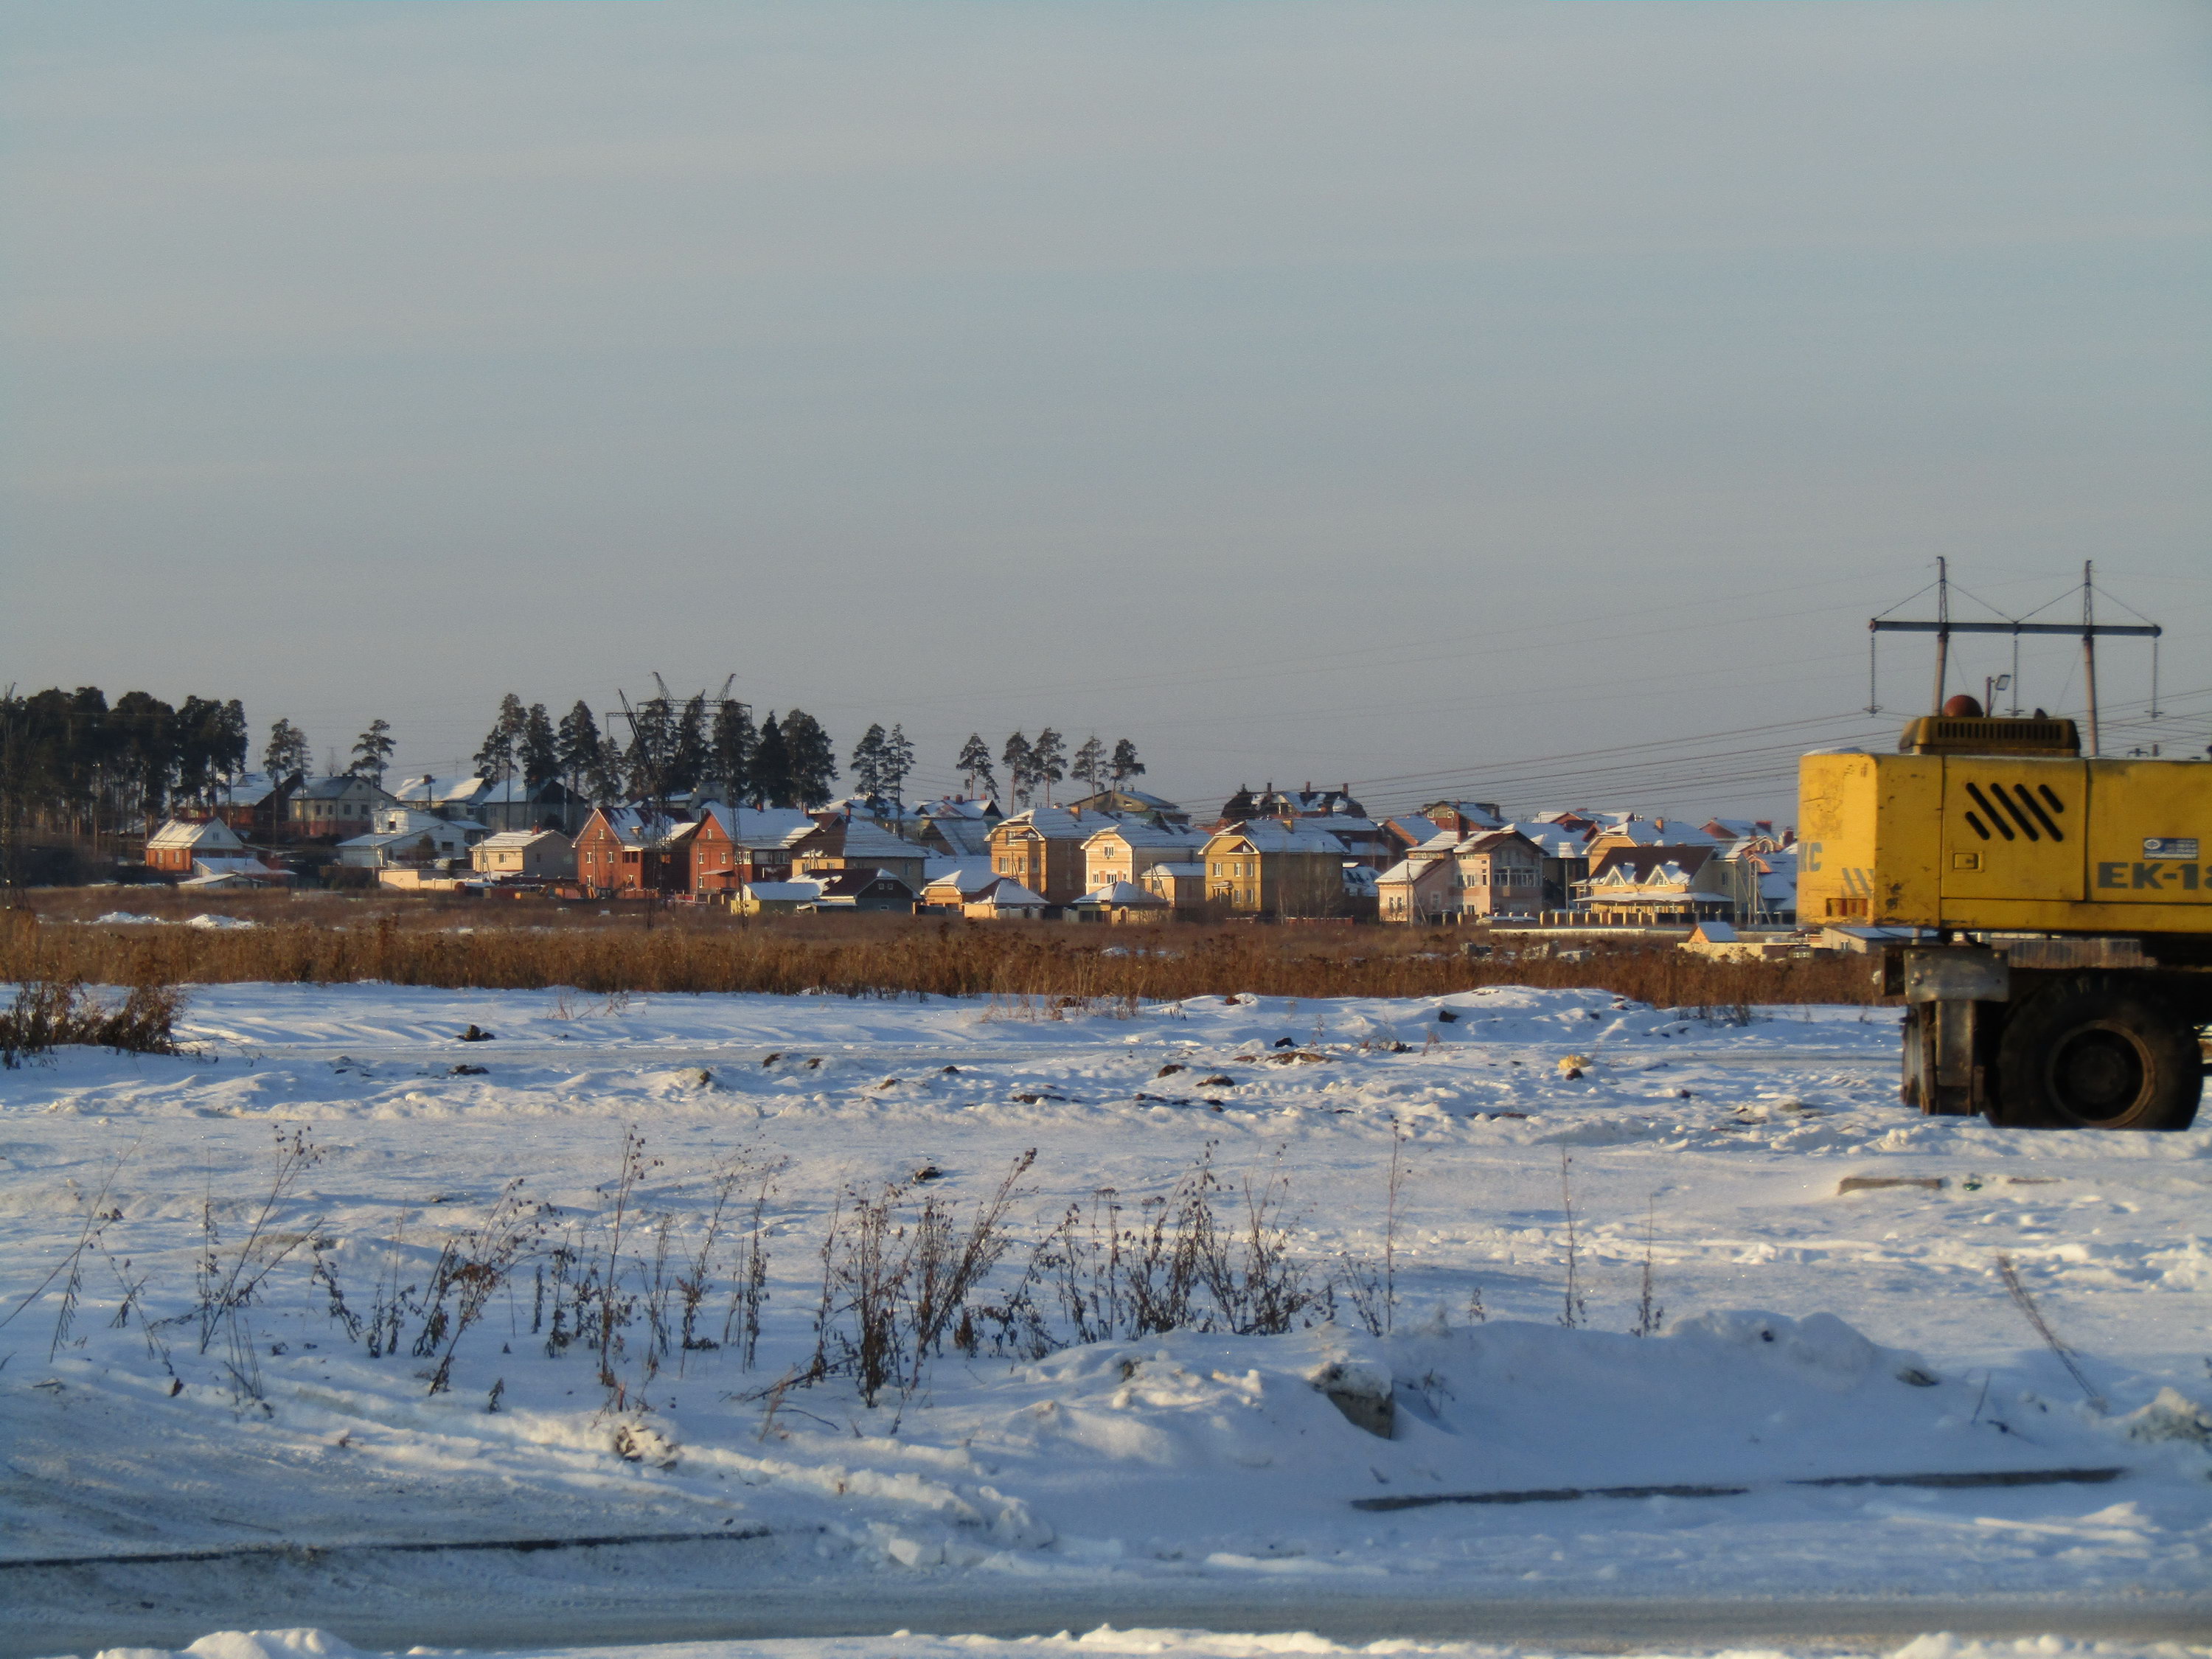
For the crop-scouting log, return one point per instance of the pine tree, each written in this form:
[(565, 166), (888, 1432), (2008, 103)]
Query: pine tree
[(288, 751), (1089, 764), (975, 764), (196, 733), (1047, 760), (1016, 759), (540, 749), (895, 761), (811, 756), (576, 748), (1125, 764), (234, 740), (867, 764), (731, 746), (771, 780), (495, 761), (371, 752)]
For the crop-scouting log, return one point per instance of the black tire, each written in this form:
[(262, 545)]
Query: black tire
[(2096, 1054)]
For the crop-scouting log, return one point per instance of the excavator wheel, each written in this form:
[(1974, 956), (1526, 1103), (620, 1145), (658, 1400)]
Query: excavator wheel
[(2092, 1054)]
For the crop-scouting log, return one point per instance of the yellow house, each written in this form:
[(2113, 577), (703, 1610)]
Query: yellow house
[(1123, 852), (531, 855), (1043, 850), (1181, 885), (1265, 867)]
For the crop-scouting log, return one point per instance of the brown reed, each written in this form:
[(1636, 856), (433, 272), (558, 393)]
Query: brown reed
[(1036, 969)]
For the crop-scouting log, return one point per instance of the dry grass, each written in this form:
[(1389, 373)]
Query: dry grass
[(49, 1013), (1036, 969)]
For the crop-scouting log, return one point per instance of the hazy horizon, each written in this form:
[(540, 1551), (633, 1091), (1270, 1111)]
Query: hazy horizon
[(1440, 399)]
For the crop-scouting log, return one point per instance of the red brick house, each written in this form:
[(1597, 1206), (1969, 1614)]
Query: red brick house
[(179, 843), (734, 847), (625, 852)]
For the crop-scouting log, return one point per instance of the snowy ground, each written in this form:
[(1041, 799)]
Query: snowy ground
[(1811, 1334)]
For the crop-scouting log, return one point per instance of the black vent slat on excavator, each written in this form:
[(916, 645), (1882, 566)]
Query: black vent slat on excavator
[(2035, 806), (1991, 812)]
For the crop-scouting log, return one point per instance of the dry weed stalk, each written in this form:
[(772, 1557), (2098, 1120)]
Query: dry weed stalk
[(1573, 1313)]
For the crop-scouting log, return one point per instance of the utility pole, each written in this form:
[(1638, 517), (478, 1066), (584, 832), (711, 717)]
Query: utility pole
[(1942, 630), (2089, 629), (2089, 654)]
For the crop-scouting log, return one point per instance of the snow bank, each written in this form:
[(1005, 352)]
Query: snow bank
[(1817, 1334), (1107, 1643)]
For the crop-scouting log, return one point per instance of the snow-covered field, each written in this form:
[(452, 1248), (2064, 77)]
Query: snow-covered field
[(1810, 1334)]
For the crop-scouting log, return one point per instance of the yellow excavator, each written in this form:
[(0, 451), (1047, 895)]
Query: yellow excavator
[(2053, 914)]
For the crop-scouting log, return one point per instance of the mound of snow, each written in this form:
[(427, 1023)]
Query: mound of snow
[(248, 1644), (218, 921)]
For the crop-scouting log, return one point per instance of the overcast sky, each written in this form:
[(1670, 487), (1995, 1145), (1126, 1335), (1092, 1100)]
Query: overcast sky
[(1391, 394)]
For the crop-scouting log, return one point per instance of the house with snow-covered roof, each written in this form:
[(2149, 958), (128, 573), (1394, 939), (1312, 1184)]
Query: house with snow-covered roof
[(1658, 886), (1181, 885), (1005, 899), (1501, 873), (1118, 903), (335, 808), (1418, 893), (403, 837), (957, 826), (525, 855), (734, 846), (175, 846), (1043, 850), (837, 844), (1123, 802), (1464, 818), (953, 882), (1124, 850), (1266, 867), (634, 852), (861, 889)]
